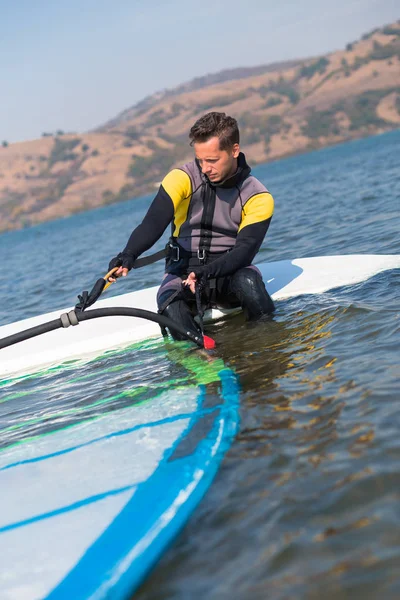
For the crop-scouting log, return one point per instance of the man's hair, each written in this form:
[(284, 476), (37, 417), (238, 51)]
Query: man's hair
[(215, 124)]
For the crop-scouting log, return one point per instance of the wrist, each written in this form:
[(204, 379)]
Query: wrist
[(127, 260)]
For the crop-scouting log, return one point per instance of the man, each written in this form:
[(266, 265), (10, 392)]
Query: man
[(220, 214)]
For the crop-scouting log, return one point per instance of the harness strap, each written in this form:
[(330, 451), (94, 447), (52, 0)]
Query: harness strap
[(209, 343), (174, 253), (152, 258), (199, 307)]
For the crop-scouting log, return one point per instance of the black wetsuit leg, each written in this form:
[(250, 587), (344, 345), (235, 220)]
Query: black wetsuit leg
[(178, 310), (246, 288)]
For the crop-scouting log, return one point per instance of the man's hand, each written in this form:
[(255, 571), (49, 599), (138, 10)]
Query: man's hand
[(124, 262), (191, 282), (122, 272)]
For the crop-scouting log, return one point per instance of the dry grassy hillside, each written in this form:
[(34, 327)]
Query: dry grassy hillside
[(282, 109)]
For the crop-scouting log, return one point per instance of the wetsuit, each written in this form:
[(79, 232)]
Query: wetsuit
[(217, 229)]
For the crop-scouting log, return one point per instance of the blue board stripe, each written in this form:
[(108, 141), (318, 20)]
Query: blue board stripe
[(67, 508), (180, 417), (117, 562)]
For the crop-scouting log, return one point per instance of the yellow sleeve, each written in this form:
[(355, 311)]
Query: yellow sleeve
[(259, 208), (178, 186)]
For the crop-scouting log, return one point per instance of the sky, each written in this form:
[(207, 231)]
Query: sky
[(73, 65)]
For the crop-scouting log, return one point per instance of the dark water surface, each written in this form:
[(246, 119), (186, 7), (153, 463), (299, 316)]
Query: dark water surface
[(306, 504)]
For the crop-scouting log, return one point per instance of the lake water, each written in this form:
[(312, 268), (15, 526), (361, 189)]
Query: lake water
[(306, 504)]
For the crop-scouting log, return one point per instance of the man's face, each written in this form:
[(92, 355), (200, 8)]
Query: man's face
[(215, 163)]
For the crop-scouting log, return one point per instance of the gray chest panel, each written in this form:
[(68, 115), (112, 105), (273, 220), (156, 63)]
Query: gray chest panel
[(226, 206)]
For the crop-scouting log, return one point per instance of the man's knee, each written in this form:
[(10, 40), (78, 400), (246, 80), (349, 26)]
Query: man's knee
[(171, 286), (247, 285), (172, 305)]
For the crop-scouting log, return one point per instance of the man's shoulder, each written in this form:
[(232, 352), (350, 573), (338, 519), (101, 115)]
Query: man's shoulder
[(253, 186), (190, 170), (177, 184), (190, 167)]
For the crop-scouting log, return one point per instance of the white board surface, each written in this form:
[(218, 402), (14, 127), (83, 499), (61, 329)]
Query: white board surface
[(283, 279)]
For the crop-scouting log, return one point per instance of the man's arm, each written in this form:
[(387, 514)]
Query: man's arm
[(257, 215), (175, 187)]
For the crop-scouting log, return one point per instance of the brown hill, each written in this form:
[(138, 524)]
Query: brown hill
[(282, 109)]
